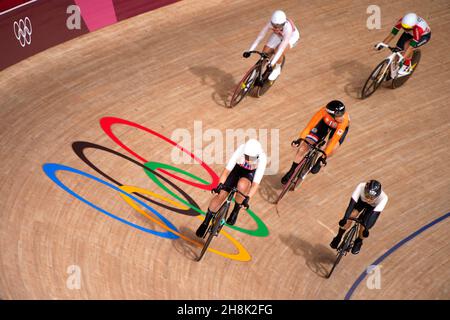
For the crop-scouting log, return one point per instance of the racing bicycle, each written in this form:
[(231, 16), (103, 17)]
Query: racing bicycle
[(387, 70), (304, 167), (348, 242), (254, 80), (218, 220)]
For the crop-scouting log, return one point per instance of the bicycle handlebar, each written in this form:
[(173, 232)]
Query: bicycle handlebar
[(262, 54), (394, 49), (314, 146), (356, 220), (235, 190)]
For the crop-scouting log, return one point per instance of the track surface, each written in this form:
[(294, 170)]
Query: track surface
[(176, 65)]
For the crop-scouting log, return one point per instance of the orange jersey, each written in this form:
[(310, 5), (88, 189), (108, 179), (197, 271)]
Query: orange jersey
[(338, 128)]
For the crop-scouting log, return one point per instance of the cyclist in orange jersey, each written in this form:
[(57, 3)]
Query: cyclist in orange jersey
[(331, 121)]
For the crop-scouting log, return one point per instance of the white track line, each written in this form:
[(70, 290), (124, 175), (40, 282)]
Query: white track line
[(326, 227), (17, 7)]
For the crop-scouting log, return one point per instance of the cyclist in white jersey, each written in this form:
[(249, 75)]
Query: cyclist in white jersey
[(244, 170), (285, 35), (367, 202)]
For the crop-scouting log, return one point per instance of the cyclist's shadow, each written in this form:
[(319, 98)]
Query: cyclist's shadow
[(270, 187), (355, 72), (318, 257), (223, 83), (186, 248)]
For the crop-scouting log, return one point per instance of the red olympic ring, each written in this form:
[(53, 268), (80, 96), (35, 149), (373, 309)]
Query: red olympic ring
[(106, 124)]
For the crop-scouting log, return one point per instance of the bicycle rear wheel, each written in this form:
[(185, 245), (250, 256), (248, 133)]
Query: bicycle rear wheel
[(375, 79), (244, 86), (398, 82), (213, 229), (343, 248), (266, 83)]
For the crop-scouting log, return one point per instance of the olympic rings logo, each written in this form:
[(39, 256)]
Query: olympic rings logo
[(23, 31), (156, 171)]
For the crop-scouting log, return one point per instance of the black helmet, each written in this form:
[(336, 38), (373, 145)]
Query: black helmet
[(372, 190), (336, 108)]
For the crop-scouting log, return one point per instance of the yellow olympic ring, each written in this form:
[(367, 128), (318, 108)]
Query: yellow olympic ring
[(242, 254)]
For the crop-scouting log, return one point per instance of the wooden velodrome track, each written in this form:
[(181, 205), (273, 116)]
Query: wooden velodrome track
[(168, 68)]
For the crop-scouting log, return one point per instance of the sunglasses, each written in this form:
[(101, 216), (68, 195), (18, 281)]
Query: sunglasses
[(251, 159), (278, 26)]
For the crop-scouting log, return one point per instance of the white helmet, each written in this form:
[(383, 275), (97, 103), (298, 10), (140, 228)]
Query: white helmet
[(278, 18), (252, 148), (409, 21)]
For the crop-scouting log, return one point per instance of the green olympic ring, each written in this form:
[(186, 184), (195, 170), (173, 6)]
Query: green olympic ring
[(261, 230)]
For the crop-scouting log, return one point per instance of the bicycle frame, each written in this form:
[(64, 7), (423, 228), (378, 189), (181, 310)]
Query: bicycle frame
[(355, 233), (313, 152), (299, 174), (347, 243), (226, 203), (393, 66), (218, 221), (263, 56)]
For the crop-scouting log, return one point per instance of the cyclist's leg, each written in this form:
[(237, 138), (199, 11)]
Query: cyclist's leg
[(292, 43), (403, 40), (277, 69), (412, 46), (268, 50), (217, 201), (319, 162), (243, 186), (272, 45), (404, 44), (364, 216), (369, 218), (213, 207), (344, 224), (299, 155)]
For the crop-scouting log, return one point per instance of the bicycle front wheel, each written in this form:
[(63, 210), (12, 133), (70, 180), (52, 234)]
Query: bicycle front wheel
[(375, 79), (344, 247), (307, 165), (214, 229), (244, 86)]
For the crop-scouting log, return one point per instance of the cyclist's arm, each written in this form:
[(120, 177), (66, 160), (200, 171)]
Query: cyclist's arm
[(355, 197), (333, 141), (393, 32), (382, 202), (371, 219), (231, 163), (286, 37), (312, 123), (350, 208), (340, 130), (235, 157), (261, 36), (389, 38), (396, 28)]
